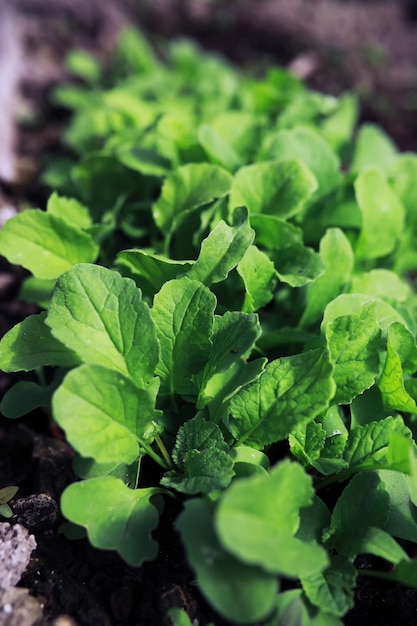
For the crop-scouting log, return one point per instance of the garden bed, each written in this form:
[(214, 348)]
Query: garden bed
[(72, 582)]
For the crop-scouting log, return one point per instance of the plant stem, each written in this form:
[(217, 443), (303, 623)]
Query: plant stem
[(164, 451)]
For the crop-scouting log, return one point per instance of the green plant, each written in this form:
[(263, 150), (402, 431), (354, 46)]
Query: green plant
[(7, 494), (248, 291)]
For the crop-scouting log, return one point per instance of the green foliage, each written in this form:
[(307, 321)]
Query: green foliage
[(225, 300)]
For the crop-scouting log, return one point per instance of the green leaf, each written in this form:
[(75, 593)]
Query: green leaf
[(293, 609), (332, 590), (382, 215), (278, 188), (201, 456), (30, 344), (239, 592), (248, 461), (234, 335), (101, 316), (273, 233), (151, 271), (381, 283), (351, 303), (362, 505), (402, 513), (103, 413), (183, 315), (337, 256), (367, 446), (403, 177), (8, 493), (257, 518), (223, 249), (24, 397), (231, 138), (353, 342), (291, 391), (70, 210), (259, 277), (115, 516), (44, 244), (306, 145), (217, 148), (373, 148), (405, 573), (179, 617), (188, 188), (401, 357), (307, 441), (298, 265)]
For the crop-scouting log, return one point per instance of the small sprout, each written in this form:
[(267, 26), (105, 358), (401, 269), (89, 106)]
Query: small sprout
[(6, 494)]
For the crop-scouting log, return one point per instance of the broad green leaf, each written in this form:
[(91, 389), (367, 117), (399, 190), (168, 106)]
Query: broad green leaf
[(234, 335), (331, 459), (367, 407), (37, 291), (179, 617), (332, 590), (257, 518), (402, 513), (382, 215), (151, 270), (311, 149), (115, 516), (351, 303), (24, 397), (89, 468), (223, 249), (101, 316), (378, 542), (102, 182), (381, 283), (338, 127), (273, 233), (353, 342), (367, 446), (363, 504), (224, 384), (259, 277), (293, 609), (373, 148), (278, 188), (70, 210), (239, 592), (104, 414), (306, 442), (183, 313), (298, 265), (29, 345), (217, 148), (401, 357), (291, 391), (187, 188), (231, 138), (44, 244), (248, 461), (403, 177), (201, 456), (337, 256)]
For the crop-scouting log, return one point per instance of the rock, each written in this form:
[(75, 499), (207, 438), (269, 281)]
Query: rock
[(16, 546), (18, 608), (37, 513)]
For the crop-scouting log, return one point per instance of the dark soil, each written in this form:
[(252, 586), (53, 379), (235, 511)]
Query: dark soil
[(368, 46)]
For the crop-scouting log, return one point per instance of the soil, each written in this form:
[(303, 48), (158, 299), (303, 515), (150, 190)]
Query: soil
[(335, 45)]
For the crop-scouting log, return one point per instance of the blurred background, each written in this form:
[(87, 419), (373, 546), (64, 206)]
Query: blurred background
[(369, 46)]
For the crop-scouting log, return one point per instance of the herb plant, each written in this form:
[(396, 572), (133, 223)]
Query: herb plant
[(227, 271)]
